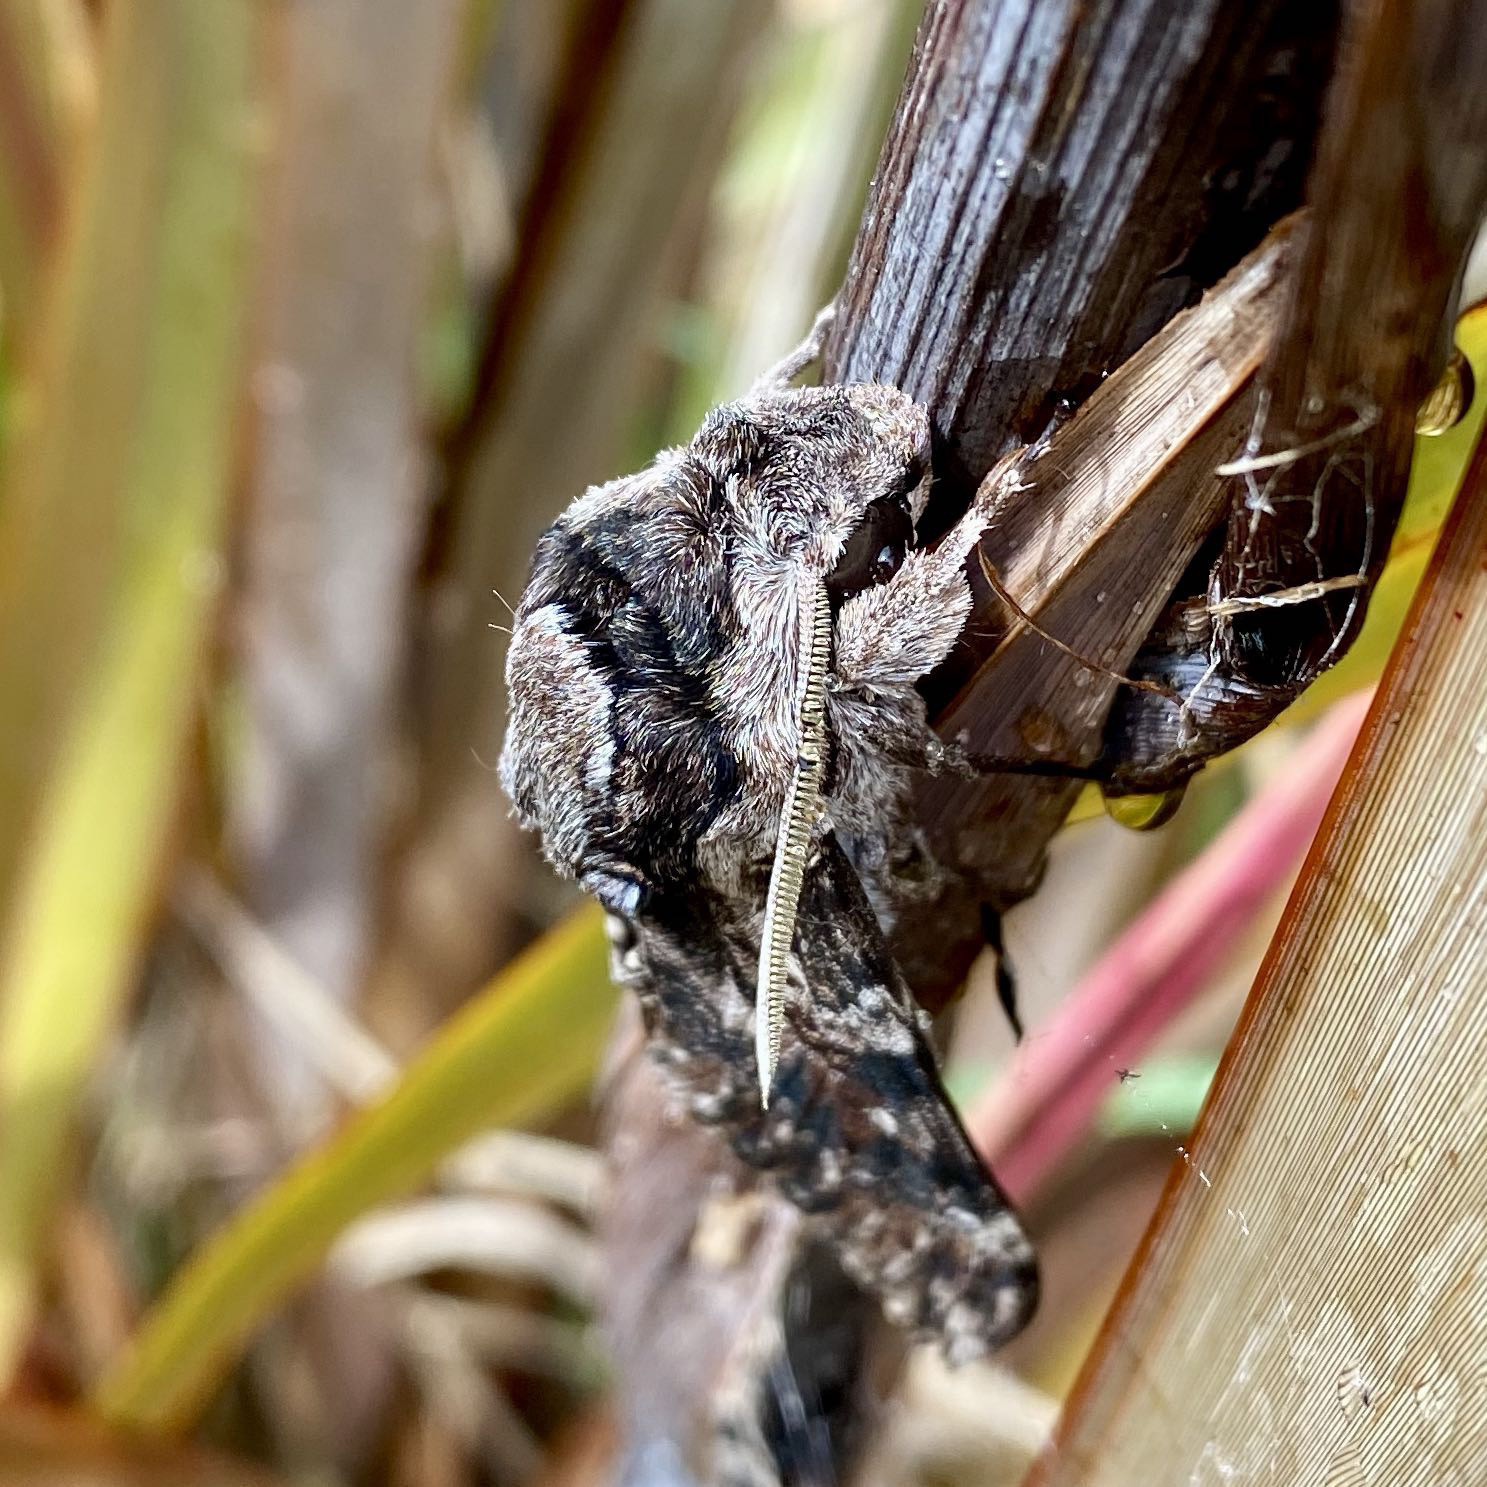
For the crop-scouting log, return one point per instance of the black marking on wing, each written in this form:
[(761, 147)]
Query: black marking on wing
[(672, 771)]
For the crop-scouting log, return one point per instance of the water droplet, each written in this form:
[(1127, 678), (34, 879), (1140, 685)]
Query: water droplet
[(1144, 812)]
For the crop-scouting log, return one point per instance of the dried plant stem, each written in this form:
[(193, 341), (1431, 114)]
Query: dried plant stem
[(1331, 1261)]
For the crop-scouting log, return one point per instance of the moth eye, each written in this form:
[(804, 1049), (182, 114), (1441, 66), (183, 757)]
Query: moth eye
[(874, 552), (910, 480)]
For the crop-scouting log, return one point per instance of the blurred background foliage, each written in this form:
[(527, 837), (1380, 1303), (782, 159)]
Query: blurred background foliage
[(311, 318)]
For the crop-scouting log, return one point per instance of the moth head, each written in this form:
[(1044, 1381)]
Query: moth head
[(824, 483), (658, 655)]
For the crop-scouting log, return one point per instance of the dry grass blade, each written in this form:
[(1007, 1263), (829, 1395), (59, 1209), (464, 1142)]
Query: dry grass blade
[(506, 1337), (112, 515), (356, 1066), (46, 97), (1320, 479), (1333, 1197), (978, 1424), (486, 1235), (528, 1042), (334, 508), (1090, 539), (293, 1002), (57, 1448)]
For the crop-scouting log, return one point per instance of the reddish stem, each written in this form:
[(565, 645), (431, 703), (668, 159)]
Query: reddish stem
[(1036, 1113)]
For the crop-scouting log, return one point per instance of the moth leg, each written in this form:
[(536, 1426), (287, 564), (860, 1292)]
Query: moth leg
[(1006, 982), (807, 354), (965, 761)]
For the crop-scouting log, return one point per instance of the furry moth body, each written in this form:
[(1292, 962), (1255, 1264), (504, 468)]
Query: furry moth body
[(714, 725)]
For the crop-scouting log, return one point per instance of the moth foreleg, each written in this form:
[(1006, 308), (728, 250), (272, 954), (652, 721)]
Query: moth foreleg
[(807, 354)]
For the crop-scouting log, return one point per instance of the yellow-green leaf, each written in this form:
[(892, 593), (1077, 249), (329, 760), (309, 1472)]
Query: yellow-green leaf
[(526, 1044), (46, 61), (1435, 476), (111, 522)]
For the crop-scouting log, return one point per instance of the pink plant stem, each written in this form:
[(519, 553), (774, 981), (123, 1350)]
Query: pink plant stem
[(1064, 1071)]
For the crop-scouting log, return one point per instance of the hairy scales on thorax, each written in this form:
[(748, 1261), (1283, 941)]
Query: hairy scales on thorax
[(659, 680)]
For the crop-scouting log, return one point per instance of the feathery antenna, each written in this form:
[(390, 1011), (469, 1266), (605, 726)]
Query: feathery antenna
[(792, 849)]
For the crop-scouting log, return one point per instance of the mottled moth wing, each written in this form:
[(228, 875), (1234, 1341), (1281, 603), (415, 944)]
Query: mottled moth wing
[(859, 1134)]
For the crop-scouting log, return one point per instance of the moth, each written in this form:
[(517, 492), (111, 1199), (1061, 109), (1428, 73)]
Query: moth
[(714, 725)]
